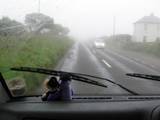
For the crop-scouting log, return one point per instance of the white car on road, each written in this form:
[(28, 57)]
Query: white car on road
[(99, 44)]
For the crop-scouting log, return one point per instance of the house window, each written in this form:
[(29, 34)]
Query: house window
[(145, 27), (158, 28), (158, 39), (144, 39)]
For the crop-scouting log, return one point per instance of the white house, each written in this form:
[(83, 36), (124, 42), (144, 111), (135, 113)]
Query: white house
[(147, 29)]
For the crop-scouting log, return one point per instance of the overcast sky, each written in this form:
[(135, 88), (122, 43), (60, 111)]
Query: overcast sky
[(85, 18)]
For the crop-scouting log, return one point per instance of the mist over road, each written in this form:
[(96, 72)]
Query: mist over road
[(83, 58)]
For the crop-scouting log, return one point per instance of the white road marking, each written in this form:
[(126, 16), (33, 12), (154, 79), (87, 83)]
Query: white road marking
[(106, 63)]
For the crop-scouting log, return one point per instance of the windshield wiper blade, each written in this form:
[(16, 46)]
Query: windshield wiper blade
[(115, 83), (144, 76), (58, 73), (84, 79)]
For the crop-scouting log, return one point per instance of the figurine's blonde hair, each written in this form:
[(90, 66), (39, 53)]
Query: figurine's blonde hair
[(51, 83)]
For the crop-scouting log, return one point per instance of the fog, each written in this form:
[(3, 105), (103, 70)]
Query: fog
[(85, 18)]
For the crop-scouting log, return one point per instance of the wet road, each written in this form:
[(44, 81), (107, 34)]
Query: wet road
[(107, 64)]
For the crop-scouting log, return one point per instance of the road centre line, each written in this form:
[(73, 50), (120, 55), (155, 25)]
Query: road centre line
[(106, 63)]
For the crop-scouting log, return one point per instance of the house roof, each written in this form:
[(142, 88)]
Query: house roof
[(149, 19)]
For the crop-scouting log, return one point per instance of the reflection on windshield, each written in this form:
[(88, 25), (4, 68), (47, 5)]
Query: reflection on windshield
[(100, 38)]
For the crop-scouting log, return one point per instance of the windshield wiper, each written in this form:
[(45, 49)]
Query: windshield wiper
[(115, 83), (58, 73), (145, 76), (76, 76)]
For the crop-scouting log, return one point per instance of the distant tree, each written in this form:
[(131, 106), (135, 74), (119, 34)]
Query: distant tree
[(60, 30), (10, 27), (36, 22)]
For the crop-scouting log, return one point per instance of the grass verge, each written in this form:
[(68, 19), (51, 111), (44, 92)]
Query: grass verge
[(37, 51)]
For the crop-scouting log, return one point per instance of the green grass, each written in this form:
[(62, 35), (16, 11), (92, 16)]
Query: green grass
[(152, 48), (38, 51)]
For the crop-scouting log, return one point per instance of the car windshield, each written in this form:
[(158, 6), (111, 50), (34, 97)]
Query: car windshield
[(118, 40)]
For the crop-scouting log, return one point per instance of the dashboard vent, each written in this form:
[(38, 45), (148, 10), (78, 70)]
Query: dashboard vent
[(92, 98), (144, 98)]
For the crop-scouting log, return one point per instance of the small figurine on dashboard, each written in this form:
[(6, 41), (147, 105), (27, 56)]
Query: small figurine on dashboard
[(58, 90)]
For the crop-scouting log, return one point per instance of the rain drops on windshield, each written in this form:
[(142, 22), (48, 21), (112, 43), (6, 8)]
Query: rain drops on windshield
[(92, 38)]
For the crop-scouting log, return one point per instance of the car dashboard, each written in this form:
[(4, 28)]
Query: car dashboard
[(83, 107)]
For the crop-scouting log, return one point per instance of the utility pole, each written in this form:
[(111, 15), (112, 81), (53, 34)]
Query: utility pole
[(114, 28), (39, 6), (114, 25)]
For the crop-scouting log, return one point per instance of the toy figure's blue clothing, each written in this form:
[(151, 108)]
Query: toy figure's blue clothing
[(65, 92), (55, 95)]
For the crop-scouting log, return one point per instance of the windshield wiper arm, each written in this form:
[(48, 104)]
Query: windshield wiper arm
[(115, 83), (145, 76), (58, 73)]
